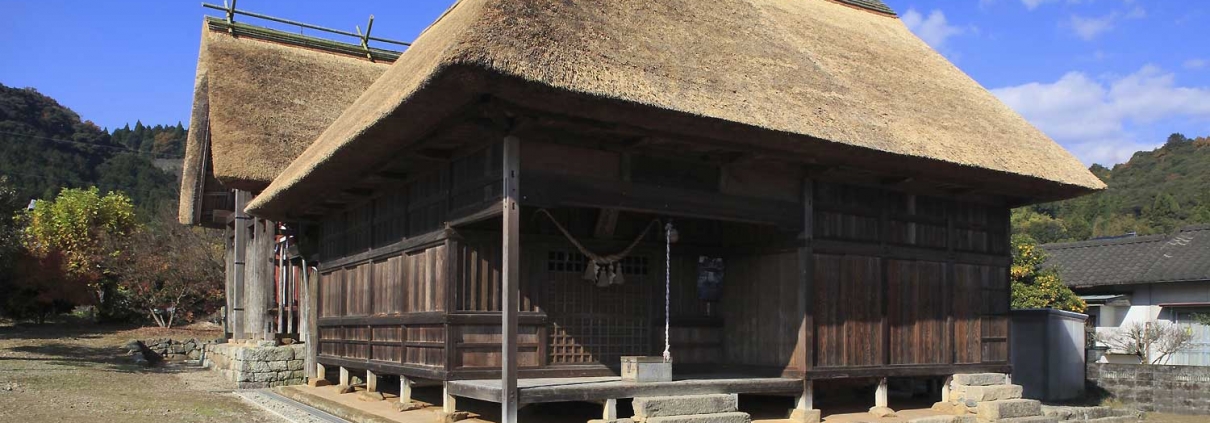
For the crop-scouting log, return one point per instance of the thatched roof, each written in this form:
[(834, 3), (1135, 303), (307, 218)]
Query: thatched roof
[(260, 98), (800, 75)]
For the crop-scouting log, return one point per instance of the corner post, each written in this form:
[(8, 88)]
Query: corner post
[(511, 279)]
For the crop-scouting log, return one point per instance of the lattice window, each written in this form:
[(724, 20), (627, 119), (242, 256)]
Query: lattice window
[(574, 262), (591, 324)]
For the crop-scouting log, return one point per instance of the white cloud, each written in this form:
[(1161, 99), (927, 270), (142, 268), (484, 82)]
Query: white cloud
[(1097, 120), (1196, 63), (934, 29), (1089, 28), (1033, 4)]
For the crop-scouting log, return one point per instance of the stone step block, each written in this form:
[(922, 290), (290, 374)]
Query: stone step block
[(991, 411), (987, 393), (734, 417), (980, 379), (1116, 419), (685, 405), (944, 419), (1030, 419)]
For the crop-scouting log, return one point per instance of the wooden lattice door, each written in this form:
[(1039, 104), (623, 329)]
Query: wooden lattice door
[(591, 324)]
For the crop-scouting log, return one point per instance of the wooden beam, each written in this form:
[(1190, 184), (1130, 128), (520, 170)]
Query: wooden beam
[(511, 272), (549, 190)]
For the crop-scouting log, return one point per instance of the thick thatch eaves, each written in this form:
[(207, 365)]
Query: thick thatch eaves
[(806, 75), (260, 98)]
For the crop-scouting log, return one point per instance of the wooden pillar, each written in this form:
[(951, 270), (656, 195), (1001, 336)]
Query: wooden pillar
[(259, 279), (804, 405), (880, 394), (310, 319), (371, 381), (239, 235), (228, 280), (448, 403), (344, 376), (405, 390), (806, 285), (611, 410), (511, 279), (945, 388)]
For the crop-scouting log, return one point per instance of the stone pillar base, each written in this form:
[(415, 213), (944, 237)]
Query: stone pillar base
[(805, 416)]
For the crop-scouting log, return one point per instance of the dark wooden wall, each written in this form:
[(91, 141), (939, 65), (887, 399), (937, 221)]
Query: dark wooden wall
[(886, 281)]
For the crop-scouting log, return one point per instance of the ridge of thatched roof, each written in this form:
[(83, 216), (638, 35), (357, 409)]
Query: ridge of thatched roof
[(260, 98), (786, 74)]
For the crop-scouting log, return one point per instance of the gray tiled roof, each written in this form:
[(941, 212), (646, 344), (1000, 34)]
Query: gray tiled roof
[(875, 5), (1183, 256)]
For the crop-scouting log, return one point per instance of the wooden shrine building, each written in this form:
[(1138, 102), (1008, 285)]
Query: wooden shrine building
[(260, 98), (491, 210)]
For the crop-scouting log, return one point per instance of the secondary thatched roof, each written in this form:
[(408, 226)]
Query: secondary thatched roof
[(1181, 257), (779, 73), (260, 98)]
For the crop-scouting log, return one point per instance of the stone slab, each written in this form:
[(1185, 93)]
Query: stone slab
[(611, 421), (735, 417), (1031, 419), (980, 379), (987, 393), (881, 411), (991, 411), (944, 419), (645, 407)]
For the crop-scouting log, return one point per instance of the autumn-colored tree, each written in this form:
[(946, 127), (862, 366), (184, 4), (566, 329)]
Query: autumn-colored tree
[(42, 287), (89, 231), (1036, 286), (173, 272)]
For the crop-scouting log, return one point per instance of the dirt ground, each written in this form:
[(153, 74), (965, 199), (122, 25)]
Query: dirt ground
[(76, 372)]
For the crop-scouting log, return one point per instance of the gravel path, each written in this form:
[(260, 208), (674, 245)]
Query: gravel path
[(286, 408)]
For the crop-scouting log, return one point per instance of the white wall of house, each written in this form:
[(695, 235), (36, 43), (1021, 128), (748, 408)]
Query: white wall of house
[(1145, 307)]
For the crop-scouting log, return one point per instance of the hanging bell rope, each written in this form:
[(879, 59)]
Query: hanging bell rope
[(670, 236), (604, 270)]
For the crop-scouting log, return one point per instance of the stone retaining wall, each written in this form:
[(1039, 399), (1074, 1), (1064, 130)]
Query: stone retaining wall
[(1166, 389), (257, 366), (152, 351)]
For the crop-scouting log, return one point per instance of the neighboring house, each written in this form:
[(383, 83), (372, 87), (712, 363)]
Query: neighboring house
[(1143, 279)]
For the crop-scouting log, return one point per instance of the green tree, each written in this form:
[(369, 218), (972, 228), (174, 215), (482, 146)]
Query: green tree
[(1036, 286), (88, 230)]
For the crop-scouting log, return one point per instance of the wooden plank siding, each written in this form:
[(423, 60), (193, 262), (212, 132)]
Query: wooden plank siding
[(906, 282), (877, 283)]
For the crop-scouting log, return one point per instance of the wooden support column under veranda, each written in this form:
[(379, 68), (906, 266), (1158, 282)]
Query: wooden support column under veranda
[(240, 231), (511, 278), (259, 279)]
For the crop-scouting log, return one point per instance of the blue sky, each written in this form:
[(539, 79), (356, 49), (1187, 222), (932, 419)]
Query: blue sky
[(1103, 77)]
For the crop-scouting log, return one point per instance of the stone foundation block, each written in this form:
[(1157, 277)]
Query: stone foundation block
[(880, 412), (453, 417), (645, 407), (805, 416), (735, 417), (980, 379), (993, 411), (409, 406), (987, 393), (370, 396), (611, 421)]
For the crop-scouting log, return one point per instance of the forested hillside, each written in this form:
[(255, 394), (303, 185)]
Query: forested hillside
[(45, 147), (1154, 192)]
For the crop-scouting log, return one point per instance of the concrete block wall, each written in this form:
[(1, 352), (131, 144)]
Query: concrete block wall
[(257, 366), (1166, 389)]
